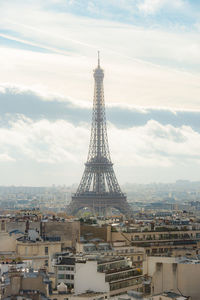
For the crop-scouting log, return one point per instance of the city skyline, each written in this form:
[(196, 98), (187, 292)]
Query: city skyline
[(150, 55)]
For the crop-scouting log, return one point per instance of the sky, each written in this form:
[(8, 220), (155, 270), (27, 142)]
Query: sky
[(150, 53)]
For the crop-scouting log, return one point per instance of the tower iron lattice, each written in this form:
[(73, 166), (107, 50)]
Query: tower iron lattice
[(99, 189)]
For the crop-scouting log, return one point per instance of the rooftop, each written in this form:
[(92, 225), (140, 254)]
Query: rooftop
[(66, 261), (175, 296)]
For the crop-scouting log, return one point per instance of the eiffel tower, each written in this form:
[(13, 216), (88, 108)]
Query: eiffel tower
[(99, 189)]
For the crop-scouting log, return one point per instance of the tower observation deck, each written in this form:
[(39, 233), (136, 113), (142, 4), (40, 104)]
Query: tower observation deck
[(99, 188)]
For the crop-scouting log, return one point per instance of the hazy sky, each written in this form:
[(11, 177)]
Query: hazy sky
[(150, 52)]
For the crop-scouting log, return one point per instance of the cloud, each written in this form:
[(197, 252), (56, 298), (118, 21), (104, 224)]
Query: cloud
[(43, 141), (71, 77), (6, 158), (143, 66), (38, 104), (58, 141), (153, 6), (51, 49), (54, 151), (156, 145), (48, 50)]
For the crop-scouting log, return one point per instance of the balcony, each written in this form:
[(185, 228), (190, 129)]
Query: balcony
[(119, 276), (131, 281), (112, 271)]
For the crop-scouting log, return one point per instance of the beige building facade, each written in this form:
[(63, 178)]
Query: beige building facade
[(39, 253), (158, 242), (67, 231), (173, 274)]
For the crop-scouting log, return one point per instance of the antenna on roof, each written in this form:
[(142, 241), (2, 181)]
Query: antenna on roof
[(98, 59)]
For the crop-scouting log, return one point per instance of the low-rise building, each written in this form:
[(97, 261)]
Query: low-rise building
[(160, 242), (68, 231), (40, 253), (118, 248), (101, 274), (17, 284), (64, 271)]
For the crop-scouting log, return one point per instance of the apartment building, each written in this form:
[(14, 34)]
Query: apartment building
[(100, 274), (136, 254), (159, 242), (38, 252), (180, 275), (18, 284), (64, 268)]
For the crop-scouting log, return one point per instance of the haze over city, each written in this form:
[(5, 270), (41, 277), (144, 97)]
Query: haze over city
[(150, 55)]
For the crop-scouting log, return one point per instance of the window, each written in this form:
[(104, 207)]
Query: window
[(3, 226), (46, 250), (72, 277), (61, 276), (46, 263)]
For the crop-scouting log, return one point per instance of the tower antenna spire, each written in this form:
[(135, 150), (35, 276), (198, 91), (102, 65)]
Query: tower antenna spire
[(98, 59)]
